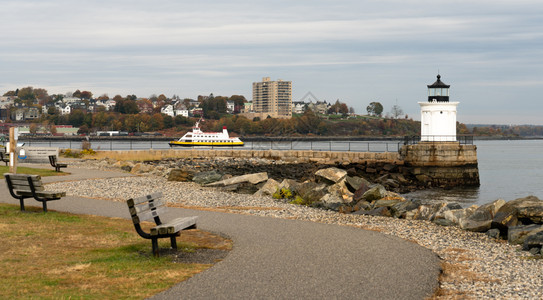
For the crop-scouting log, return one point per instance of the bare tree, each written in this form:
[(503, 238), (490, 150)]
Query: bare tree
[(396, 111)]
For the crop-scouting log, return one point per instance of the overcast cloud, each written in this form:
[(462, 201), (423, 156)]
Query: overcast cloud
[(490, 52)]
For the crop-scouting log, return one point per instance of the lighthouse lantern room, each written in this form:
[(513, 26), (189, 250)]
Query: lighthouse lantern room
[(438, 115)]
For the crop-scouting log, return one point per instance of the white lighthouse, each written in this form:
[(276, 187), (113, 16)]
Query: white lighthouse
[(438, 115)]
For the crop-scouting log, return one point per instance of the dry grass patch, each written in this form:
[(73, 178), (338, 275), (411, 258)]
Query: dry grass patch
[(32, 171), (58, 255), (137, 155)]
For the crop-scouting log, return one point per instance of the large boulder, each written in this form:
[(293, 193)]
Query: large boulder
[(311, 192), (481, 219), (248, 178), (455, 215), (530, 209), (506, 217), (386, 203), (180, 175), (518, 234), (534, 239), (289, 184), (359, 193), (330, 175), (269, 188), (354, 183), (375, 193), (206, 177), (331, 201), (400, 209), (423, 212), (340, 189)]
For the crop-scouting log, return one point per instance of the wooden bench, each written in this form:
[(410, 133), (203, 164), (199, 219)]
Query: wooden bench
[(23, 186), (152, 207), (55, 164), (4, 157)]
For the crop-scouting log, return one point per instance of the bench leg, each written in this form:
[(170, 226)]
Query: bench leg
[(22, 203), (44, 206), (173, 242), (154, 242)]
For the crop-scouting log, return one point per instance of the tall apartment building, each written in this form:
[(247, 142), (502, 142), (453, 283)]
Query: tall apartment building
[(272, 98)]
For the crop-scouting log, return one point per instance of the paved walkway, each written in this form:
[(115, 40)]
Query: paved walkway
[(284, 259)]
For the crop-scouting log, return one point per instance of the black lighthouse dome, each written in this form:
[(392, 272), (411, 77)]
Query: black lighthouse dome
[(438, 91)]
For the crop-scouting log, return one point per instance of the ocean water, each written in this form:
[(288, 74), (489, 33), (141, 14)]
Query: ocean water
[(508, 169)]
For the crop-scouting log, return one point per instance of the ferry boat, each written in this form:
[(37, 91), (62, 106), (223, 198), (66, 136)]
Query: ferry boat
[(214, 139)]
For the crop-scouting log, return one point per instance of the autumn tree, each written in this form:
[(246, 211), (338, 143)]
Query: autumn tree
[(77, 94), (26, 93), (375, 109), (86, 95)]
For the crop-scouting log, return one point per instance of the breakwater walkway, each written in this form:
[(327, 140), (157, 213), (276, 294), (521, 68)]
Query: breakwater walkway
[(278, 258)]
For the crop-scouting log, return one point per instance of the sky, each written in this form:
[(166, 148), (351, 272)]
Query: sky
[(355, 51)]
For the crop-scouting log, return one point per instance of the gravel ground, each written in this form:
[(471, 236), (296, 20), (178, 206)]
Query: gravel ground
[(474, 265)]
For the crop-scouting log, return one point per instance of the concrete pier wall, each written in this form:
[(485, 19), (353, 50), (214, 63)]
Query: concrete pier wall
[(325, 157), (445, 164)]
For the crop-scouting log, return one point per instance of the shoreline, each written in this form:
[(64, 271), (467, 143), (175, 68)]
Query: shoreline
[(473, 264)]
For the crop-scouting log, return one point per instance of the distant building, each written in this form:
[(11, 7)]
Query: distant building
[(230, 106), (272, 98), (298, 107), (167, 110), (320, 107), (6, 101)]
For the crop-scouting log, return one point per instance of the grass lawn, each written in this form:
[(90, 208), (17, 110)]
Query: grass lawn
[(32, 171), (61, 256)]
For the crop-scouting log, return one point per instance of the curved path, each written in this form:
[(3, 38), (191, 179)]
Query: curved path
[(278, 258)]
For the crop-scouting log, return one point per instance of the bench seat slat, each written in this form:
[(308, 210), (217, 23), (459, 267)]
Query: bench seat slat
[(174, 226), (44, 194), (138, 200)]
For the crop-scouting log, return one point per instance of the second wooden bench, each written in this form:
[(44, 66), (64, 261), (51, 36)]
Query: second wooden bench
[(152, 207), (23, 186)]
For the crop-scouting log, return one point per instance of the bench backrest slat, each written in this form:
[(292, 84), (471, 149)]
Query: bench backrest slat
[(20, 181), (138, 200), (146, 207), (147, 215)]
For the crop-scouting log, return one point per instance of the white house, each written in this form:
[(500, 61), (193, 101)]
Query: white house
[(168, 110), (298, 107), (230, 106), (65, 110)]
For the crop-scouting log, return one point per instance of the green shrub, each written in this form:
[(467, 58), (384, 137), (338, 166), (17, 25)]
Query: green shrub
[(299, 201), (283, 194)]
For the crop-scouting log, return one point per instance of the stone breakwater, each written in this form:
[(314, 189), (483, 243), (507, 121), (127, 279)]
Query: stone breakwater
[(474, 264)]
